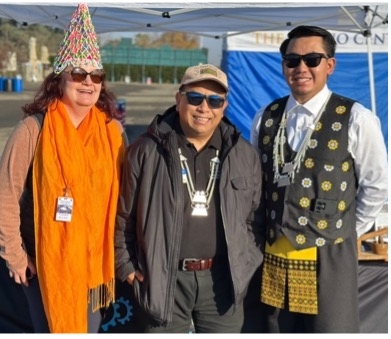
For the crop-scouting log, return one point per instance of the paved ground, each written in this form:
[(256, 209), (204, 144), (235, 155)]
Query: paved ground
[(143, 102)]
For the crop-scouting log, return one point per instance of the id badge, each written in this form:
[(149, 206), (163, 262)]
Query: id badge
[(64, 209)]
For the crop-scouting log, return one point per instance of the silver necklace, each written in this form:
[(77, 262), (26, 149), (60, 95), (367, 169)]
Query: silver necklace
[(200, 200), (287, 174)]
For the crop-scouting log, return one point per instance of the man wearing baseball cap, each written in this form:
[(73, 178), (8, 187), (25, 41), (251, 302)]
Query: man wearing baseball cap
[(188, 228)]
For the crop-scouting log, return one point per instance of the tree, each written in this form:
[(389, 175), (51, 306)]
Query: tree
[(173, 39), (143, 40), (178, 40)]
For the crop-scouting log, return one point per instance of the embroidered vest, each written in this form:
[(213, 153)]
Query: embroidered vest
[(318, 208)]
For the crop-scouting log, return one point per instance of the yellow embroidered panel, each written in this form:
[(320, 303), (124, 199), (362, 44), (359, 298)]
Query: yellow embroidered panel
[(300, 277), (302, 287), (273, 281)]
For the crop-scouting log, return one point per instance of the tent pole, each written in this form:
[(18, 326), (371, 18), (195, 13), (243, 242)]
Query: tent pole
[(371, 72)]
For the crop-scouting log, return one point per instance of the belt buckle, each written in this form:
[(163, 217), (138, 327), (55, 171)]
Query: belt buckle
[(185, 261)]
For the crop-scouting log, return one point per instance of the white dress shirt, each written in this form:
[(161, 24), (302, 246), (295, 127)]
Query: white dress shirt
[(366, 146)]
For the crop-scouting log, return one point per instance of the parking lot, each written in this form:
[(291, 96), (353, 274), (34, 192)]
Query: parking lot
[(143, 102)]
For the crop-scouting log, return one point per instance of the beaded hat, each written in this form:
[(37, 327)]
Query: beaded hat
[(79, 46)]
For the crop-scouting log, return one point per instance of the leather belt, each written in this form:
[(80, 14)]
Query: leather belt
[(194, 264)]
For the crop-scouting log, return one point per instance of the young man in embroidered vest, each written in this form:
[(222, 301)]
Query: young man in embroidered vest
[(59, 184), (188, 224), (325, 180)]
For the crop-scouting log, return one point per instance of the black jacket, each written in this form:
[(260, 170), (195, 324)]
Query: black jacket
[(150, 213)]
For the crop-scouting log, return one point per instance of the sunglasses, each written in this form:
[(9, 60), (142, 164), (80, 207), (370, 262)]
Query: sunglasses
[(79, 75), (195, 99), (311, 59)]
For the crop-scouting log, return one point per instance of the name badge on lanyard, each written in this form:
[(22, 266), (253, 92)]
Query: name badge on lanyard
[(64, 209)]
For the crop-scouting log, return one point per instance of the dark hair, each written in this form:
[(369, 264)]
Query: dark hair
[(329, 42), (52, 88)]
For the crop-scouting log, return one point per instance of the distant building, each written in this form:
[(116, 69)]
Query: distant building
[(126, 53)]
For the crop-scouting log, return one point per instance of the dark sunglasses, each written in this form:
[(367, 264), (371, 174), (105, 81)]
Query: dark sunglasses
[(79, 75), (311, 59), (195, 99)]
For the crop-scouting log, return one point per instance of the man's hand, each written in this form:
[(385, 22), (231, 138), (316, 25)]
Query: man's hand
[(135, 275)]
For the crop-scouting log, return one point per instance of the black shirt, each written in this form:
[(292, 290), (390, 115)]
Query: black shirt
[(202, 236)]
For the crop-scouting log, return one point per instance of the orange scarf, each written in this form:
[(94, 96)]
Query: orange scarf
[(75, 260)]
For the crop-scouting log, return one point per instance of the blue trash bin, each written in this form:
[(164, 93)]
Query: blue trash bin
[(17, 85), (7, 84), (2, 84)]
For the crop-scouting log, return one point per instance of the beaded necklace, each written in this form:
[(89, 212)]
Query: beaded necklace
[(287, 174), (200, 200)]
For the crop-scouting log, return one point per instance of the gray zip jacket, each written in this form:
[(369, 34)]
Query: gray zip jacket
[(150, 214)]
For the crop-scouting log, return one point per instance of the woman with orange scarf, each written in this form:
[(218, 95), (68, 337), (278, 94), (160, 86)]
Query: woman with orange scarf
[(60, 180)]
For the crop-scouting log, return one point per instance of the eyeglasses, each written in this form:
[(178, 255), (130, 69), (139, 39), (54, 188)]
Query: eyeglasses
[(311, 59), (79, 75), (195, 99)]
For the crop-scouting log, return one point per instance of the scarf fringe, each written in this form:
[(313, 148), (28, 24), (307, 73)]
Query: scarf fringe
[(102, 296)]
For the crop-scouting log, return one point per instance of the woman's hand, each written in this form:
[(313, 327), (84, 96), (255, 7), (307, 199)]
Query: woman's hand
[(23, 275)]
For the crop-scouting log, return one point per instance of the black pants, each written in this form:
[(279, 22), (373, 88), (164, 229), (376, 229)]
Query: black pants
[(14, 310), (34, 301), (203, 304), (37, 312)]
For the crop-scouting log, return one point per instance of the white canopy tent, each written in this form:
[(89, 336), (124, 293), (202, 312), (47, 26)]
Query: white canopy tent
[(203, 17)]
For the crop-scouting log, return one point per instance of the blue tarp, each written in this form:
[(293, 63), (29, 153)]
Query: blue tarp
[(255, 79)]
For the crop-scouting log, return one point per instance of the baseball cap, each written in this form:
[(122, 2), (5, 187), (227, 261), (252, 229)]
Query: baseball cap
[(204, 72)]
